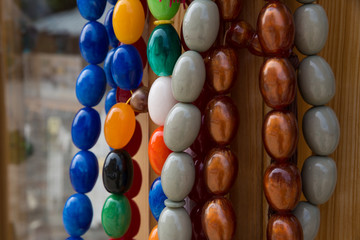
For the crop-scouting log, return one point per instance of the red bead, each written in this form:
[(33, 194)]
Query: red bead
[(135, 222), (199, 193), (197, 229), (133, 146), (137, 181)]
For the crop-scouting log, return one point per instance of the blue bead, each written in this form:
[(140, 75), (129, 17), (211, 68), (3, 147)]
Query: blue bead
[(156, 198), (91, 85), (84, 170), (113, 2), (127, 69), (107, 68), (77, 214), (114, 42), (110, 100), (91, 9), (74, 238), (85, 129), (94, 42)]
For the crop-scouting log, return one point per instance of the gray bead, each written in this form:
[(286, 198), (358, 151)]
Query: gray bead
[(305, 1), (178, 176), (201, 25), (318, 179), (309, 218), (174, 224), (316, 80), (321, 130), (311, 28), (172, 204), (188, 77), (182, 125)]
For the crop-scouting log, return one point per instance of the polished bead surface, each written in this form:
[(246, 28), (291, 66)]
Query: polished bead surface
[(203, 142), (163, 49), (197, 229), (139, 100), (255, 47), (94, 42), (182, 126), (240, 34), (154, 233), (74, 238), (84, 170), (91, 9), (114, 42), (156, 198), (218, 219), (140, 45), (134, 144), (309, 218), (280, 134), (178, 176), (277, 82), (321, 130), (85, 128), (312, 28), (319, 176), (107, 68), (229, 9), (122, 96), (221, 119), (316, 80), (276, 29), (201, 25), (135, 222), (282, 186), (137, 181), (110, 100), (284, 227), (199, 192), (77, 215), (164, 9), (174, 224)]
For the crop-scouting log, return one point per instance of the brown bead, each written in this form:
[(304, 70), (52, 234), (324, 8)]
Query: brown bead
[(284, 227), (229, 9), (220, 170), (277, 82), (221, 119), (221, 69), (280, 134), (139, 100), (255, 47), (276, 29), (240, 34), (282, 186), (218, 219)]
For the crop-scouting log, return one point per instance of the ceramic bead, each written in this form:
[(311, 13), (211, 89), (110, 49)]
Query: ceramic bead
[(316, 80), (139, 100), (91, 9), (156, 198), (321, 130), (201, 25), (229, 10), (312, 28), (309, 218), (197, 229), (240, 34), (154, 233), (134, 144), (174, 224), (163, 10), (199, 193), (284, 227), (114, 42), (110, 100), (107, 68), (135, 222)]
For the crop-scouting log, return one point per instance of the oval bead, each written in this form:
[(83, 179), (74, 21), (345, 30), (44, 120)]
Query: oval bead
[(113, 2), (312, 28), (182, 126), (154, 233), (229, 9), (110, 100), (305, 1), (221, 119), (282, 186), (164, 9), (316, 80), (240, 34), (157, 150), (137, 181), (139, 100), (140, 45), (74, 238), (197, 229), (94, 42), (199, 193), (254, 46), (174, 224), (280, 134), (276, 29), (319, 176), (309, 218), (284, 227), (91, 9), (163, 49), (201, 25), (156, 198), (134, 144), (135, 221), (277, 82), (321, 130), (107, 68), (114, 42)]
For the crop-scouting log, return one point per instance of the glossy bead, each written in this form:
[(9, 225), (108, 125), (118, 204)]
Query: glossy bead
[(197, 229), (203, 142), (255, 47), (113, 2), (174, 224), (319, 178), (114, 42), (282, 186), (137, 181), (154, 233), (312, 28), (74, 238), (280, 134), (91, 85), (276, 29), (240, 34), (139, 100), (77, 215), (91, 9), (188, 77), (221, 69), (205, 96), (316, 80), (140, 45), (128, 20), (84, 170), (163, 10), (277, 82), (284, 227), (134, 144), (107, 68), (321, 130), (116, 215), (199, 192), (163, 49), (110, 100), (157, 150), (305, 1), (119, 125), (221, 119), (201, 25), (229, 9), (94, 42), (182, 126), (135, 222), (156, 198), (85, 128), (218, 219), (220, 170), (126, 68), (122, 96), (309, 218), (160, 95)]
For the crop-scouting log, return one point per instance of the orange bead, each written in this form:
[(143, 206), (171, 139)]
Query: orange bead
[(154, 233), (119, 125), (284, 227)]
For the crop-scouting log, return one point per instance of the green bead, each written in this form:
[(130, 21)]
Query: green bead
[(116, 215), (163, 9), (163, 50)]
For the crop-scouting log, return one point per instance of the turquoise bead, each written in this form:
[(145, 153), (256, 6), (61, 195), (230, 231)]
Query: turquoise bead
[(163, 50)]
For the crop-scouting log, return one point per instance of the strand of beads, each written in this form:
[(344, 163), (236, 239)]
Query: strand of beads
[(320, 127), (86, 126)]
